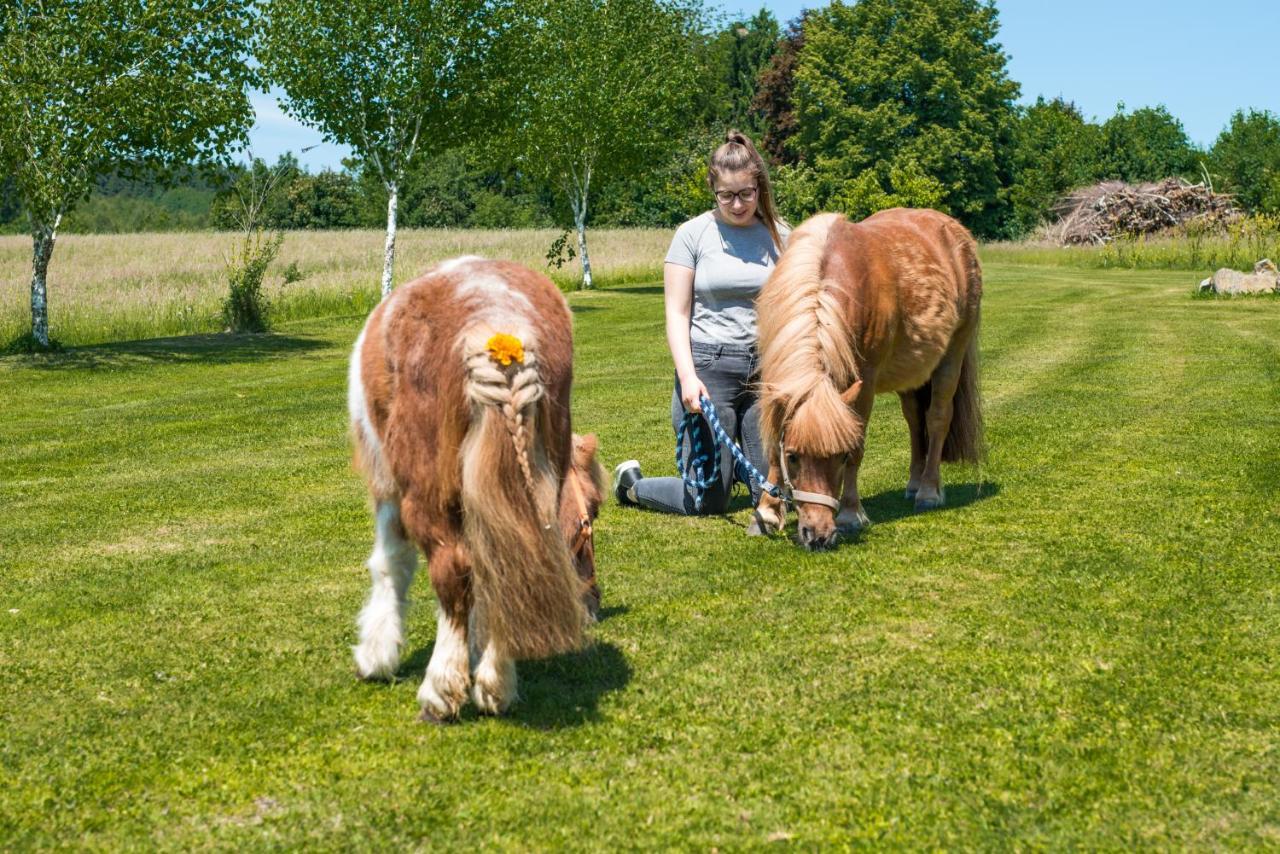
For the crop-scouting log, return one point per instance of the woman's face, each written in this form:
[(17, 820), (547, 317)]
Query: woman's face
[(737, 194)]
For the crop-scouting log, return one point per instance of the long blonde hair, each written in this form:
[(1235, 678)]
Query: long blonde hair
[(738, 154)]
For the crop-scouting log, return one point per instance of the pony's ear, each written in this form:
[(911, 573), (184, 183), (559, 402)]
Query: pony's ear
[(587, 444), (850, 394), (584, 457), (584, 448)]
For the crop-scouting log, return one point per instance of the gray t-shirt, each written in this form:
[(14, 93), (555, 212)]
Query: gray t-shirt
[(730, 264)]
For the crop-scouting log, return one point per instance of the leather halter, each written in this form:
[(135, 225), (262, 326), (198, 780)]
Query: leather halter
[(798, 496), (584, 515)]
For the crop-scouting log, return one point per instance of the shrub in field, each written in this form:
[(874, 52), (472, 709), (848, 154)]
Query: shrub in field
[(246, 308), (292, 273)]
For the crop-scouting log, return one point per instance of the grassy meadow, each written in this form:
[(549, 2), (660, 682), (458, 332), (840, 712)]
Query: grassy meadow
[(1078, 652)]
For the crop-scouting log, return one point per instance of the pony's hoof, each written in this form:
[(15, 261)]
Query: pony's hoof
[(376, 664), (495, 688), (591, 605), (441, 697), (761, 526), (490, 701), (371, 678), (429, 717), (930, 502), (852, 523)]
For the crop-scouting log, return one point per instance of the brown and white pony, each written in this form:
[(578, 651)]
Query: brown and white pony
[(853, 309), (474, 462)]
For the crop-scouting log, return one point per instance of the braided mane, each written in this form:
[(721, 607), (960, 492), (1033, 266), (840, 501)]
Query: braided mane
[(513, 390)]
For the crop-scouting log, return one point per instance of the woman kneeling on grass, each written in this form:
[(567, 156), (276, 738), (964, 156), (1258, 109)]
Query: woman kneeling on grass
[(717, 263)]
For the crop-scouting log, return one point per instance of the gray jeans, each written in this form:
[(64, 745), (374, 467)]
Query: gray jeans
[(729, 373)]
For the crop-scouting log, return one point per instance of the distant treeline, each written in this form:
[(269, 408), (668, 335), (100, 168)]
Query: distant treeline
[(856, 114)]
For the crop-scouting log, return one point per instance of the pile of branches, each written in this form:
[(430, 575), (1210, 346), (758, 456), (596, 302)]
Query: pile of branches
[(1099, 214)]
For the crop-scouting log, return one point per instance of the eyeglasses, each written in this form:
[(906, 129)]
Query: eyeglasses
[(726, 197)]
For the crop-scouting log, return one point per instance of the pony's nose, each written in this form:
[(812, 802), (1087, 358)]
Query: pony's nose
[(814, 541)]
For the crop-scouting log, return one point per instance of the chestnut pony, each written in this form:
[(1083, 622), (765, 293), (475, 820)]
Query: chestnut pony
[(889, 304), (458, 394)]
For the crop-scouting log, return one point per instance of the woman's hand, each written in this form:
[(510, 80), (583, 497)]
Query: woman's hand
[(691, 393)]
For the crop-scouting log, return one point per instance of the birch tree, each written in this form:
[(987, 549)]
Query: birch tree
[(395, 80), (608, 88), (90, 86)]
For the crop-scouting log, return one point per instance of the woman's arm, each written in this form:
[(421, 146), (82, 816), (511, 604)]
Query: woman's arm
[(677, 286)]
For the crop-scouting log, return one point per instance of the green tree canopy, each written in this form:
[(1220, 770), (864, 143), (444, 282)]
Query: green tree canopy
[(394, 80), (1246, 156), (1148, 144), (906, 102), (737, 55), (605, 88), (1055, 150), (773, 101), (91, 86)]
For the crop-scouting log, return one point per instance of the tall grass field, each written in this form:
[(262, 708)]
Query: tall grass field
[(111, 287), (1079, 652), (105, 288)]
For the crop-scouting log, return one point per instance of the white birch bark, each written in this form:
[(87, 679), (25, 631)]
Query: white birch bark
[(389, 250), (42, 250), (578, 202), (580, 220)]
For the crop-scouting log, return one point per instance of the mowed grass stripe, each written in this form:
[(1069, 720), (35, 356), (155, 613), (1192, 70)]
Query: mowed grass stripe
[(1068, 656)]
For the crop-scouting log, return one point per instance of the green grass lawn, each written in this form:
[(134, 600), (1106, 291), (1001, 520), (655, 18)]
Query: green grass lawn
[(1083, 650)]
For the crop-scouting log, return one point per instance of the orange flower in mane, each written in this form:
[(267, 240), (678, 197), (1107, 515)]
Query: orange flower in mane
[(505, 349)]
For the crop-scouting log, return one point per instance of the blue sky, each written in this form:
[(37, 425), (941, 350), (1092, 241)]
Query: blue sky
[(1201, 60)]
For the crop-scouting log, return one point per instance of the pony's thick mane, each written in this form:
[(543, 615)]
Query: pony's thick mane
[(807, 355)]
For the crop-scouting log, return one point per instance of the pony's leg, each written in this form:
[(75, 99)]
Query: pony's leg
[(391, 568), (770, 515), (444, 689), (919, 439), (494, 687), (852, 518), (942, 388)]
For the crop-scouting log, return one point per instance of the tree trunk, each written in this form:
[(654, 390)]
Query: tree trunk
[(580, 220), (389, 251), (42, 239)]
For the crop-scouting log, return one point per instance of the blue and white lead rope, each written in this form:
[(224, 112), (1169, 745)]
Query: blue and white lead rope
[(698, 459)]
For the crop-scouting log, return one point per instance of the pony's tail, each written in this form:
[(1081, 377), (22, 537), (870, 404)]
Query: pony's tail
[(525, 589), (964, 442)]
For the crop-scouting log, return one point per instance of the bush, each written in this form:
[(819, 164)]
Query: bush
[(246, 308)]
